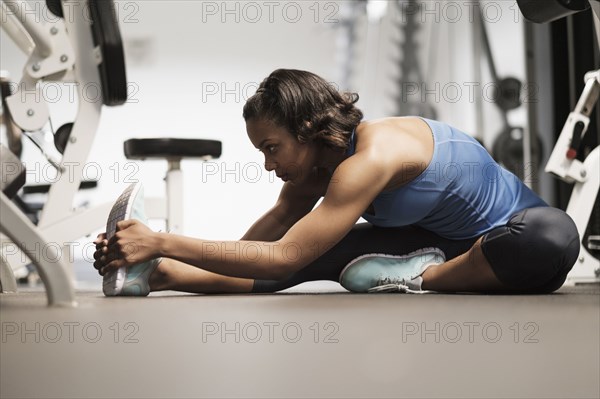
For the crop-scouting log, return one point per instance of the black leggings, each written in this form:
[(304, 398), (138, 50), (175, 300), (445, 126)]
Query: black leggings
[(533, 253)]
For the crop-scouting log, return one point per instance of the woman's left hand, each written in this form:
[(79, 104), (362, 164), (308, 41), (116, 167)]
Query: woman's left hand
[(132, 243)]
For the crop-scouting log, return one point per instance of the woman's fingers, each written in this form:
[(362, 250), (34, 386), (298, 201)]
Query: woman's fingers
[(105, 257), (100, 251), (113, 265), (98, 266), (101, 237), (105, 262), (121, 250)]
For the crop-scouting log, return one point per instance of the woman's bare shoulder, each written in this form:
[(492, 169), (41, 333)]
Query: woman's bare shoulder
[(402, 144), (398, 125), (406, 137)]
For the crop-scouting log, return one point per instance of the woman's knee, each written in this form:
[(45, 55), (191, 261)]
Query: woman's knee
[(537, 246)]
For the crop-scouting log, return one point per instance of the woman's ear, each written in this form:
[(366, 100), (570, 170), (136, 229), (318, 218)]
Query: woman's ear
[(307, 125)]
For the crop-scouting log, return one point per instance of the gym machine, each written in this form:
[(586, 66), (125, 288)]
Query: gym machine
[(563, 162)]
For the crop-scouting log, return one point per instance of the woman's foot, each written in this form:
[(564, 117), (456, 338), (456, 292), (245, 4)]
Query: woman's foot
[(159, 278), (136, 280), (133, 280), (389, 273)]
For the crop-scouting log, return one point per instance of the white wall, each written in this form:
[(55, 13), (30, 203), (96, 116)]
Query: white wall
[(177, 50)]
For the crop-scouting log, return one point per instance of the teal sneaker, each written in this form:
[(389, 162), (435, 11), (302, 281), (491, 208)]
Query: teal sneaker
[(390, 273), (133, 280)]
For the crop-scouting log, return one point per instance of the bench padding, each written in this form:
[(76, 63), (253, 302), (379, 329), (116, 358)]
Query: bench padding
[(171, 148)]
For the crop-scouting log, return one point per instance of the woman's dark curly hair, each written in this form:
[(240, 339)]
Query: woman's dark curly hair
[(307, 106)]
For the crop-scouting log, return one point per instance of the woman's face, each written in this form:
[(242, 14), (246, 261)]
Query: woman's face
[(284, 154)]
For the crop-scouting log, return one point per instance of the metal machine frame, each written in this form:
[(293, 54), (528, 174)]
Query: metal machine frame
[(62, 50), (585, 175)]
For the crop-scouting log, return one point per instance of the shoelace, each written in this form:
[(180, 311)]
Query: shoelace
[(387, 284), (388, 280)]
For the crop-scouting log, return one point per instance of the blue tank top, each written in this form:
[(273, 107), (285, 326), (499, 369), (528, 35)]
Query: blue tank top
[(463, 193)]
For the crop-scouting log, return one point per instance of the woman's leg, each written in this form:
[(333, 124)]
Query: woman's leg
[(533, 253), (367, 239), (468, 272), (178, 276), (363, 239)]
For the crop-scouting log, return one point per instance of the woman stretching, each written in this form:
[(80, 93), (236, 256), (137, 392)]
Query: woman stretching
[(442, 215)]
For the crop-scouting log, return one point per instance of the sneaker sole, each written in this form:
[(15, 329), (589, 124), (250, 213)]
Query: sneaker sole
[(112, 282)]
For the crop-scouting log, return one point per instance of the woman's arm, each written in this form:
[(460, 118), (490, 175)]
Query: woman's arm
[(354, 185), (290, 207)]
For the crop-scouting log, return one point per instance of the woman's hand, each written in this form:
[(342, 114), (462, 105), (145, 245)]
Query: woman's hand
[(101, 250), (133, 243)]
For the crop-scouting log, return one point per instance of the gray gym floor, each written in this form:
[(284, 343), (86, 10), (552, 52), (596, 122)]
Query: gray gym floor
[(302, 344)]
